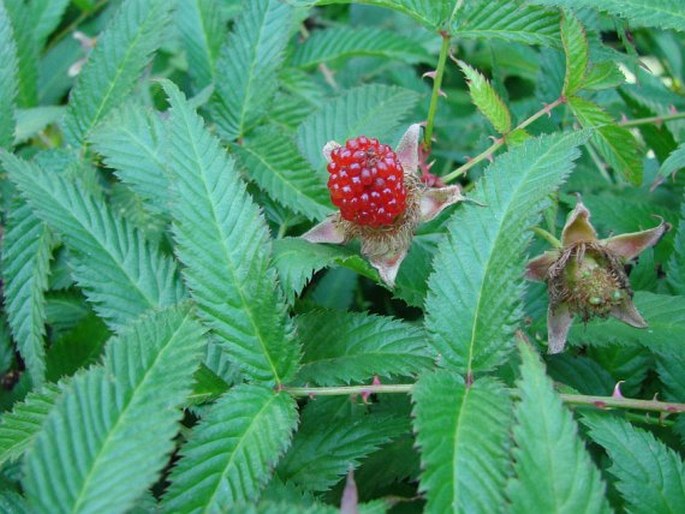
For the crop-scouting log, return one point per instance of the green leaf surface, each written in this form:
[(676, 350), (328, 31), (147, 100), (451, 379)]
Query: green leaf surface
[(373, 110), (132, 141), (664, 314), (121, 274), (202, 27), (675, 274), (463, 435), (26, 250), (616, 144), (474, 300), (666, 14), (19, 427), (9, 82), (115, 64), (486, 99), (32, 121), (674, 162), (322, 453), (231, 453), (577, 51), (360, 347), (272, 160), (85, 458), (11, 502), (248, 64), (46, 15), (27, 51), (650, 476), (508, 21), (297, 260), (553, 471), (224, 243), (325, 46)]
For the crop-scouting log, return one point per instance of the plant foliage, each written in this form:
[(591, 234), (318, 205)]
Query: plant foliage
[(188, 324)]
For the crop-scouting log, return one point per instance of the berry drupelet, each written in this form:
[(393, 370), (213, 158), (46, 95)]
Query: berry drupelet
[(367, 182)]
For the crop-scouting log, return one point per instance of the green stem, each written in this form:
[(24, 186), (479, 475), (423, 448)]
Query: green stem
[(437, 84), (488, 152), (601, 402), (547, 236), (652, 119), (74, 24)]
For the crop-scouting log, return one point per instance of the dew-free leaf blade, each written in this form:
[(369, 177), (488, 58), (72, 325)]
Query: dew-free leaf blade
[(463, 436), (224, 243), (360, 347), (231, 453), (666, 14), (486, 99), (553, 471), (248, 64), (112, 430), (120, 272), (474, 300), (115, 64), (344, 42), (272, 160), (676, 264), (616, 144), (9, 84), (577, 51), (373, 110), (651, 476), (674, 162), (26, 251)]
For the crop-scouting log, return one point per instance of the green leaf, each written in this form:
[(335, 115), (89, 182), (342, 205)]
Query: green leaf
[(474, 301), (26, 251), (224, 243), (553, 471), (360, 347), (430, 13), (19, 428), (577, 51), (27, 52), (463, 436), (297, 260), (86, 458), (32, 121), (248, 64), (9, 84), (486, 99), (271, 159), (665, 316), (11, 502), (665, 14), (46, 16), (231, 453), (121, 274), (322, 453), (115, 64), (674, 162), (373, 110), (132, 141), (616, 144), (676, 265), (508, 21), (202, 26), (650, 476), (327, 45)]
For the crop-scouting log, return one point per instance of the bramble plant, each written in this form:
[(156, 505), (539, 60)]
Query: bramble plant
[(179, 334)]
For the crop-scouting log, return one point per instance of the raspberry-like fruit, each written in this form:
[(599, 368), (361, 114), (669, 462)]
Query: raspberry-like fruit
[(367, 182)]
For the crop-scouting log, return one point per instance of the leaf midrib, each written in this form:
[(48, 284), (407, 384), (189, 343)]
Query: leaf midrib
[(140, 386)]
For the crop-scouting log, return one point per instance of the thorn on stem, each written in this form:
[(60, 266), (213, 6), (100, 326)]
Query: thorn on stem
[(617, 390)]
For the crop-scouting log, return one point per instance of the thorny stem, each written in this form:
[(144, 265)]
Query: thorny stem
[(437, 84), (487, 153), (602, 402), (74, 24), (652, 119)]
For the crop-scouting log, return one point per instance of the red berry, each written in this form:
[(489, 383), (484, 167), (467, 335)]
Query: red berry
[(367, 182)]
